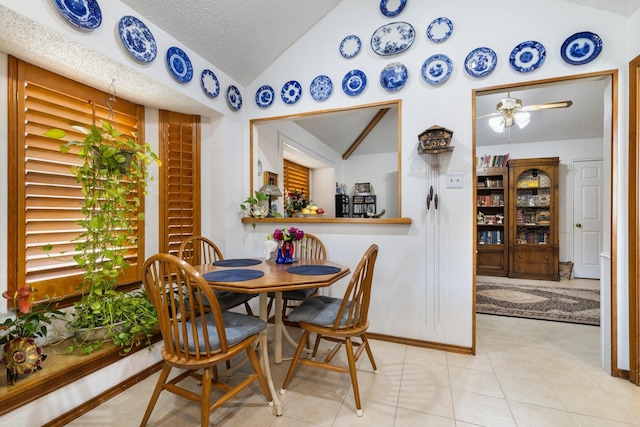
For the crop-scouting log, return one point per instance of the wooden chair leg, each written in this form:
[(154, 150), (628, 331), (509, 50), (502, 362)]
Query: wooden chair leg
[(205, 402), (253, 358), (248, 308), (294, 361), (365, 342), (354, 377), (166, 369)]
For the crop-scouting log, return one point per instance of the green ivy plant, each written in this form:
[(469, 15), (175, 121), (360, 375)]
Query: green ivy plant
[(113, 176)]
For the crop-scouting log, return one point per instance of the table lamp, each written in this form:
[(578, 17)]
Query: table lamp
[(270, 190)]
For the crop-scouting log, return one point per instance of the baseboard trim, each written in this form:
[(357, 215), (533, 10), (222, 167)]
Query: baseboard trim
[(87, 406), (419, 343)]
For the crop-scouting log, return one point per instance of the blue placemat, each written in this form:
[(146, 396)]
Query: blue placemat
[(313, 270), (238, 262), (235, 275)]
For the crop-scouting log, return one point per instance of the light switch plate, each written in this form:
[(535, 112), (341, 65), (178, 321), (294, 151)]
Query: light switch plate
[(455, 180)]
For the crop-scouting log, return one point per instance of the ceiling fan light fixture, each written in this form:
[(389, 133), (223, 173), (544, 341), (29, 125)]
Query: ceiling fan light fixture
[(497, 124), (522, 119), (509, 104)]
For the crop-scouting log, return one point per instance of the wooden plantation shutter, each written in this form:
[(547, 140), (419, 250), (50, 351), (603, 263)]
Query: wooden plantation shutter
[(179, 179), (296, 177), (44, 197)]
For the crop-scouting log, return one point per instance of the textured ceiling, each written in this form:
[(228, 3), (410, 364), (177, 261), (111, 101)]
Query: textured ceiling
[(243, 37)]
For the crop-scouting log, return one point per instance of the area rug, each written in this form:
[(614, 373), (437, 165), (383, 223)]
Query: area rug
[(539, 302)]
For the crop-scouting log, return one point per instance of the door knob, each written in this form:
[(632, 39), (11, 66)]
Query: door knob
[(579, 225)]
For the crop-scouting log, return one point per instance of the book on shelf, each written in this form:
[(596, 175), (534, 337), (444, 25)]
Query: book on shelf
[(492, 160)]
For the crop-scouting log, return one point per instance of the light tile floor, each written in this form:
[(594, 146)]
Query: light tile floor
[(526, 373)]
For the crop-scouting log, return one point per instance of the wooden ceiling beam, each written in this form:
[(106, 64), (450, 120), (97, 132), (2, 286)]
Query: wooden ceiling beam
[(364, 133)]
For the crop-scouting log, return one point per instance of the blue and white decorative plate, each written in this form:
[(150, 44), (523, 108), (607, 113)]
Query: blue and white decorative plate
[(354, 82), (439, 29), (179, 64), (350, 46), (437, 69), (291, 92), (527, 56), (85, 14), (581, 48), (391, 39), (265, 96), (137, 39), (209, 83), (392, 8), (480, 62), (393, 77), (234, 98), (321, 88)]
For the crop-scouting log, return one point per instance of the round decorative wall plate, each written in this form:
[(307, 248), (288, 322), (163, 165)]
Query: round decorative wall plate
[(480, 62), (581, 48), (179, 64), (234, 98), (291, 92), (437, 69), (354, 82), (321, 88), (393, 77), (137, 39), (350, 46), (527, 56), (209, 83), (85, 14), (265, 96), (391, 8), (439, 29)]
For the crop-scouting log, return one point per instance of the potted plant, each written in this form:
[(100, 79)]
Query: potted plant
[(255, 206), (113, 177)]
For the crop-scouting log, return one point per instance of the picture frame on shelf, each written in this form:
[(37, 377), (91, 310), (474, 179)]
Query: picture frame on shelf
[(271, 178), (363, 188)]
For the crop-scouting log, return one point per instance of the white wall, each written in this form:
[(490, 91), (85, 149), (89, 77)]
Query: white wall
[(423, 280)]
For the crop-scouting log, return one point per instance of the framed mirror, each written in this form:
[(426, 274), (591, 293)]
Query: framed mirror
[(339, 148)]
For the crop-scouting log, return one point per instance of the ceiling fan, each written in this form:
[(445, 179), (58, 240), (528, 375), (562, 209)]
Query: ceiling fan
[(510, 111)]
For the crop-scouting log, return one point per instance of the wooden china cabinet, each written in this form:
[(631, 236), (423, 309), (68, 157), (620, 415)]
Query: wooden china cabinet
[(492, 212), (533, 218)]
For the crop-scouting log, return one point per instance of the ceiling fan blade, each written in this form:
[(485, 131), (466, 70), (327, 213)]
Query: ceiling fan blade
[(488, 115), (547, 106)]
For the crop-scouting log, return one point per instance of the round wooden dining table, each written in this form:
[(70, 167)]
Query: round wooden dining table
[(276, 278)]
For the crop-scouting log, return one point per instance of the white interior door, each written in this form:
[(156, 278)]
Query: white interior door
[(587, 218)]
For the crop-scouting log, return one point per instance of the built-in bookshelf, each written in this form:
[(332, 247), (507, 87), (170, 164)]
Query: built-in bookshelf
[(492, 200)]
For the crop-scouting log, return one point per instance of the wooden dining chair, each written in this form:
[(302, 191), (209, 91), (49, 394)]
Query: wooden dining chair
[(197, 250), (338, 320), (197, 335), (310, 247)]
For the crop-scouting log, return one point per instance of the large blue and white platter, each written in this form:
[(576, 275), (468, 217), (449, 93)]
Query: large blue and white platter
[(85, 14), (354, 82), (581, 48), (527, 56), (179, 64), (437, 69), (265, 96), (439, 30), (234, 99), (393, 38), (291, 92), (350, 46), (393, 77), (480, 62), (137, 39), (321, 88), (391, 8), (209, 83)]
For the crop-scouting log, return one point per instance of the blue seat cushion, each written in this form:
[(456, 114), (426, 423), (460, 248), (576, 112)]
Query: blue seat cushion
[(237, 328), (296, 295), (229, 300), (320, 310)]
